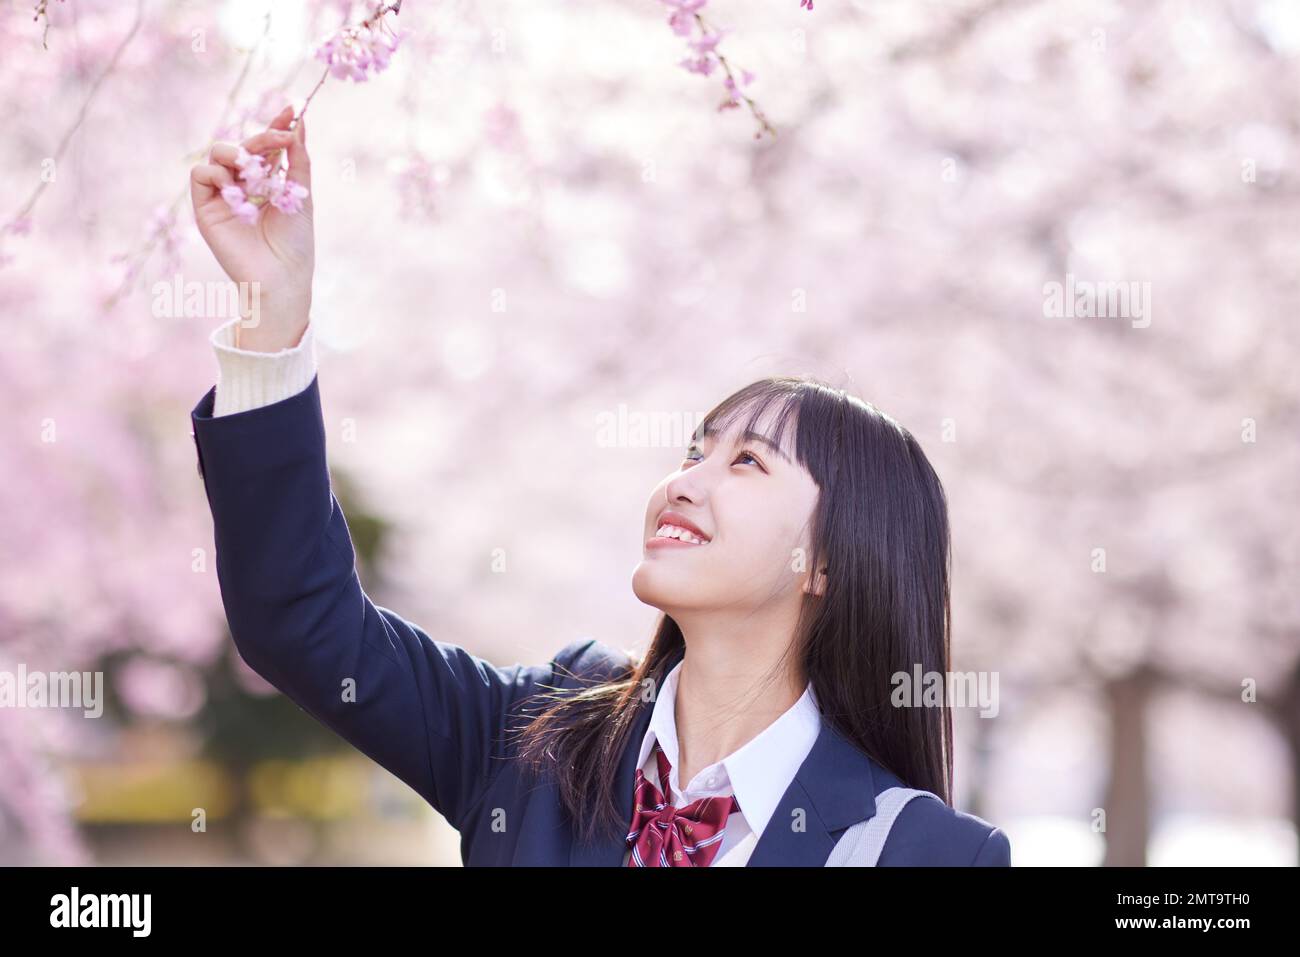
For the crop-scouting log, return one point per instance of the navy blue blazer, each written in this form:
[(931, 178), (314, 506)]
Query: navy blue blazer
[(432, 713)]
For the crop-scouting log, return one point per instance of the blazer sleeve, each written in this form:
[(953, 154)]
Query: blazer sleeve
[(429, 711), (995, 851)]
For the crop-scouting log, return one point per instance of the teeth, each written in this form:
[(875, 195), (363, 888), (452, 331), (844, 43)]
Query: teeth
[(674, 531)]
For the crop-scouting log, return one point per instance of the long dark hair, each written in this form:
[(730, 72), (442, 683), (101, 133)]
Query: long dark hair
[(880, 532)]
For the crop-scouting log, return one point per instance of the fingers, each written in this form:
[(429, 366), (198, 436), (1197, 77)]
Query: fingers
[(277, 136), (299, 162), (225, 154), (207, 180), (270, 140), (282, 119)]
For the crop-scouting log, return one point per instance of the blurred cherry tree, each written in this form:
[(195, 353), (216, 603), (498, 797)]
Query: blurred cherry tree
[(536, 214)]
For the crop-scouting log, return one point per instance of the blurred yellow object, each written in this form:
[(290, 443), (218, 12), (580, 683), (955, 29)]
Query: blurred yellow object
[(143, 793), (319, 788)]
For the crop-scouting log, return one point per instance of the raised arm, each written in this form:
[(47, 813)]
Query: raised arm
[(430, 712)]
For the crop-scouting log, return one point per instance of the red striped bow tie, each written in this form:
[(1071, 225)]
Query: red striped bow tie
[(667, 836)]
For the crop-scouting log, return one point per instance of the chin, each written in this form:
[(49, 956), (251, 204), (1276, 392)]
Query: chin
[(666, 589), (652, 586), (644, 585)]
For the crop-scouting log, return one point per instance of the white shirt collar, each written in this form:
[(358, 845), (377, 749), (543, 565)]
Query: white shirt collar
[(758, 773)]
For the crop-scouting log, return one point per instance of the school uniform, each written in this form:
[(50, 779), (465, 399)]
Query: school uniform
[(757, 773), (441, 719)]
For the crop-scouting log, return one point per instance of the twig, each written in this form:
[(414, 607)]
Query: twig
[(27, 207), (42, 10), (765, 126)]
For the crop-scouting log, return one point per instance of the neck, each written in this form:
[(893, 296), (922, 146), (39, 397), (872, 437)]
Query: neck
[(731, 686)]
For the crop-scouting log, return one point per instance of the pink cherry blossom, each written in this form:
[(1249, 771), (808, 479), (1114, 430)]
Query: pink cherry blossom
[(357, 53), (244, 210), (250, 164), (260, 182), (708, 42), (289, 199), (705, 56), (703, 65), (682, 19)]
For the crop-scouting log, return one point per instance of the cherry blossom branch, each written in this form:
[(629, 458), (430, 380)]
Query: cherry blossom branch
[(355, 51), (42, 10), (352, 53), (683, 20), (734, 94), (162, 225), (307, 102), (20, 222)]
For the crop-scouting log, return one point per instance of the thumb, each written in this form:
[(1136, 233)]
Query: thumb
[(299, 162)]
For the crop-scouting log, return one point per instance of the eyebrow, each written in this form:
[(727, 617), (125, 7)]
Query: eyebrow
[(747, 436)]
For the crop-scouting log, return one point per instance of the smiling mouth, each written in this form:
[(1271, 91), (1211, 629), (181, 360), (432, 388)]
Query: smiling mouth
[(675, 536)]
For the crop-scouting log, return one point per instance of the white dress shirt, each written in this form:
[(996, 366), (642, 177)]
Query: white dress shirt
[(758, 773)]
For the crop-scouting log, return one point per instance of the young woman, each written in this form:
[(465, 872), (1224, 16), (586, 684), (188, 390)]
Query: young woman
[(800, 557)]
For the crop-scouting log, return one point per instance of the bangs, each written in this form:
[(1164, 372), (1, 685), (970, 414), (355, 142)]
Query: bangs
[(765, 410), (815, 417)]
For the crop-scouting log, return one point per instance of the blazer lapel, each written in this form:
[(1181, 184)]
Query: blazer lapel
[(832, 790), (609, 853)]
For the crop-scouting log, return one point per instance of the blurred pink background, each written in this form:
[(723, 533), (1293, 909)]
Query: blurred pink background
[(535, 218)]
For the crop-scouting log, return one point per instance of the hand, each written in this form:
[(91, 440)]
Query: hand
[(278, 252)]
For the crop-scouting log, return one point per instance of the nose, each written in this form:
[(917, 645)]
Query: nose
[(684, 488)]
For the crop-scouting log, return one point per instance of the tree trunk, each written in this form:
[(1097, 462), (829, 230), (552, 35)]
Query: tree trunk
[(1128, 799), (1288, 714)]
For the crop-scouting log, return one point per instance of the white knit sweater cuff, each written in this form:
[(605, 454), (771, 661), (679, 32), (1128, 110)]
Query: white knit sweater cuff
[(249, 380)]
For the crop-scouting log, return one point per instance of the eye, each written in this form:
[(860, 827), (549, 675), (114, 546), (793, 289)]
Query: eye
[(744, 454)]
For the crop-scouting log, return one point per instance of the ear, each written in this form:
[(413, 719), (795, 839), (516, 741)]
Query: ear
[(816, 583)]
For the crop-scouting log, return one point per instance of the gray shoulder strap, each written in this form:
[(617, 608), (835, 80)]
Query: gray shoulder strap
[(862, 843)]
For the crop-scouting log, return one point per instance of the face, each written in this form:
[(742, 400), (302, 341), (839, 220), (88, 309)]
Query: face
[(749, 508)]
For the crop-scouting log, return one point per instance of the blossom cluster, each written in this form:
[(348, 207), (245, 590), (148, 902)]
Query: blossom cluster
[(686, 21), (356, 53), (260, 181)]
